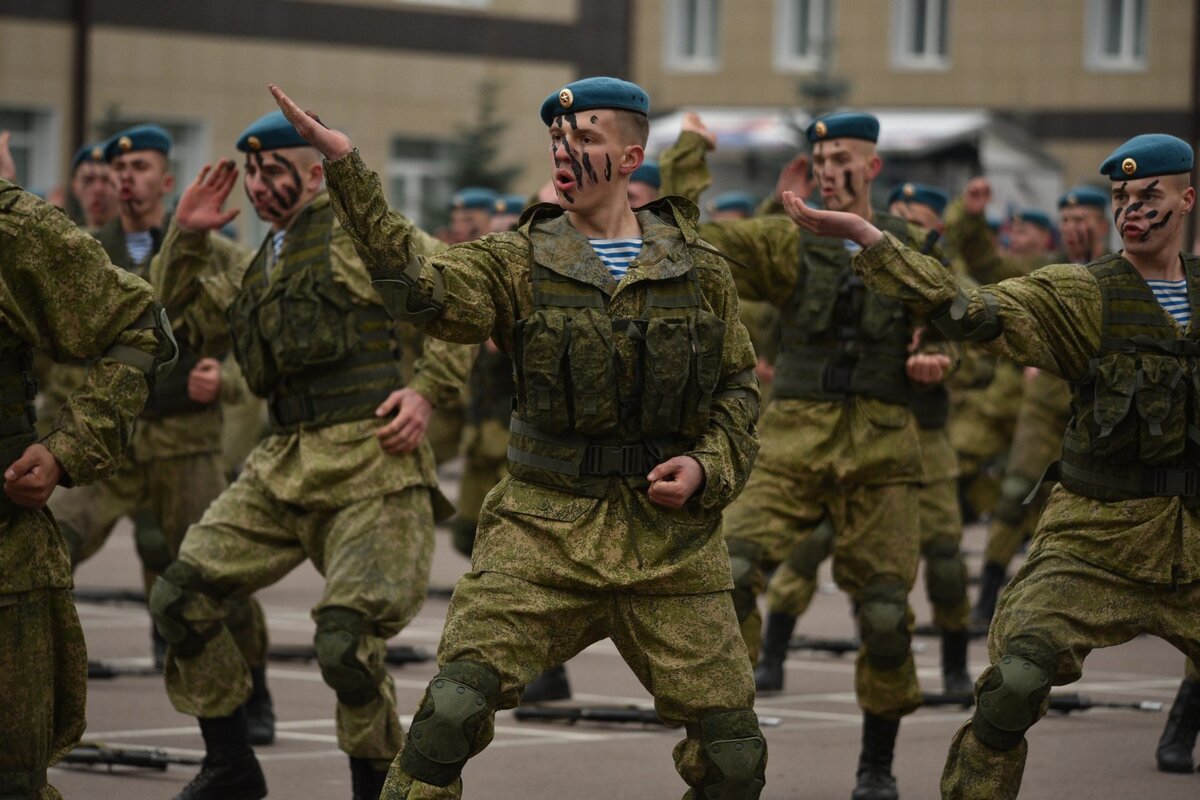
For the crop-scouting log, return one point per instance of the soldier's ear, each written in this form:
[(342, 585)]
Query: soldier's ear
[(168, 183), (1189, 200), (874, 166), (631, 158), (316, 175)]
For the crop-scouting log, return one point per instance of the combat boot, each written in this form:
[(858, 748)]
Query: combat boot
[(990, 583), (158, 647), (550, 685), (229, 770), (875, 780), (955, 678), (260, 710), (768, 675), (365, 780), (1174, 752)]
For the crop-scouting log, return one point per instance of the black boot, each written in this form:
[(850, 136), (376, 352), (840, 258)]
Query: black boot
[(550, 685), (229, 771), (991, 582), (365, 780), (260, 711), (955, 678), (875, 781), (1174, 752), (158, 647), (768, 675)]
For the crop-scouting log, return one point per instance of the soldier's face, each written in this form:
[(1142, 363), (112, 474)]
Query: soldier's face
[(844, 169), (1083, 229), (142, 180), (589, 157), (279, 183), (918, 214), (641, 193), (1025, 239), (1149, 212), (722, 216), (94, 188), (468, 224)]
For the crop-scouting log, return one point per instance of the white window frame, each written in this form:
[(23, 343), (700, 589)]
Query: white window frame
[(820, 27), (43, 144), (1096, 26), (414, 171), (903, 17), (708, 20)]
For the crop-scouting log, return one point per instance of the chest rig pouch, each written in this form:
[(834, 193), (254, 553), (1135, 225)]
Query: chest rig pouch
[(838, 338), (1136, 427)]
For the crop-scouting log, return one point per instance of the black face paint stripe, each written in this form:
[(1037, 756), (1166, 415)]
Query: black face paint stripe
[(1133, 207), (273, 211), (568, 198), (607, 167), (1117, 214), (558, 121), (571, 121), (1151, 214), (1151, 185), (587, 165), (595, 119), (849, 186), (576, 167), (293, 191), (1157, 225)]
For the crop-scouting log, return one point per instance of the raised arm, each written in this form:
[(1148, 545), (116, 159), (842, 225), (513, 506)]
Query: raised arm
[(684, 165), (766, 252)]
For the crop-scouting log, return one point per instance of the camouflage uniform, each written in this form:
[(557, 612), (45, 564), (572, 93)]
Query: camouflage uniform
[(49, 271), (447, 426), (1109, 561), (570, 550), (320, 487)]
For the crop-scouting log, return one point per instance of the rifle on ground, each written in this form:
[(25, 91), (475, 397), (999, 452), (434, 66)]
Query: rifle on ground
[(838, 647), (625, 714), (104, 670), (94, 754), (1063, 703), (396, 654), (109, 596)]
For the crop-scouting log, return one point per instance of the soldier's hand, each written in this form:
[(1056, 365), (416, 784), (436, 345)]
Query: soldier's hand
[(1031, 374), (406, 431), (692, 122), (795, 177), (204, 381), (838, 224), (765, 370), (977, 195), (927, 368), (674, 481), (201, 208), (30, 480), (332, 144)]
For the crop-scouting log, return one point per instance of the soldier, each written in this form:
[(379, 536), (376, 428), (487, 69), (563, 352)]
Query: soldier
[(335, 482), (93, 186), (731, 205), (1117, 550), (608, 524), (471, 211), (508, 212), (49, 270), (645, 184)]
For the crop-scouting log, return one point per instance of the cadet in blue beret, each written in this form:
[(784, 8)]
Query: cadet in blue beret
[(1151, 188), (732, 205), (1083, 223), (93, 186), (1030, 235), (507, 211), (1148, 156), (919, 203), (645, 184), (138, 156), (282, 172), (592, 93), (471, 211), (136, 139), (269, 132)]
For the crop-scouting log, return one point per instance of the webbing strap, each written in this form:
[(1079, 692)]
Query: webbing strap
[(1145, 482)]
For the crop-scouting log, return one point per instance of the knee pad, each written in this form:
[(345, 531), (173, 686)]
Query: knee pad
[(883, 622), (168, 599), (339, 631), (806, 557), (1009, 702), (744, 567), (734, 754), (449, 725), (945, 573), (151, 542), (1010, 505)]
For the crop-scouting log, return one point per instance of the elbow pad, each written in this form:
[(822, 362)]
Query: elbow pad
[(153, 366), (398, 289), (951, 319)]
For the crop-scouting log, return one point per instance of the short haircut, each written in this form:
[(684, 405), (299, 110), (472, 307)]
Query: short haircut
[(634, 127)]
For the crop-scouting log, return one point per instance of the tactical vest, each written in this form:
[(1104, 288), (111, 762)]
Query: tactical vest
[(303, 343), (838, 338), (1136, 425), (18, 389), (572, 428), (931, 407), (490, 388)]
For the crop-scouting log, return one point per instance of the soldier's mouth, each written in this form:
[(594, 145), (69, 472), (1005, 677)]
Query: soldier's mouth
[(564, 180)]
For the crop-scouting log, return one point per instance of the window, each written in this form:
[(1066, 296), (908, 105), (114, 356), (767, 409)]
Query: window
[(801, 34), (34, 146), (920, 34), (691, 35), (419, 180), (1116, 35)]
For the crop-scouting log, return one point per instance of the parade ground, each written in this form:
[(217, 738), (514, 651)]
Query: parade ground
[(1097, 754)]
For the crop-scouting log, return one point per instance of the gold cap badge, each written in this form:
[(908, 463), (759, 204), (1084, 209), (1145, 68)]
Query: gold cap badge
[(254, 143), (1129, 166), (499, 206), (909, 190), (97, 153), (125, 144), (821, 129), (1072, 200), (566, 98)]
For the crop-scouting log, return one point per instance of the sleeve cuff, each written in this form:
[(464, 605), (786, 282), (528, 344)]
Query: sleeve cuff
[(64, 449)]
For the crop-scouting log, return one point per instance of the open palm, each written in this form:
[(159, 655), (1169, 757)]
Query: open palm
[(202, 206), (332, 144)]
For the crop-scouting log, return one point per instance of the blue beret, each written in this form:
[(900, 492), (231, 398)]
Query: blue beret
[(1148, 155), (994, 223), (844, 125), (649, 173), (511, 203), (93, 152), (139, 137), (733, 201), (1034, 216), (921, 193), (269, 132), (1084, 196), (589, 93), (475, 198)]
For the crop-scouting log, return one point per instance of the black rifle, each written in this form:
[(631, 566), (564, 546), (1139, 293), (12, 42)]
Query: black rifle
[(396, 654), (104, 670), (99, 754), (838, 647), (624, 714), (109, 596), (1064, 703)]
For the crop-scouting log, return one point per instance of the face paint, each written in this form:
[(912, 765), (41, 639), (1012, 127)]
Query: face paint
[(571, 121), (587, 166), (850, 190), (1157, 225), (607, 166), (595, 119), (1117, 212)]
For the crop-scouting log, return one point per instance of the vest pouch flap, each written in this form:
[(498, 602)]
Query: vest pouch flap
[(816, 295), (1161, 399), (311, 328), (1116, 382), (883, 319), (593, 373), (544, 338), (251, 347), (668, 366), (709, 337)]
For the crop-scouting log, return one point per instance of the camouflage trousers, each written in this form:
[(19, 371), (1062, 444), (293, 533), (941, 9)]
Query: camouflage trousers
[(164, 496), (876, 547), (375, 556), (485, 463), (685, 649), (43, 680), (445, 431), (1055, 612)]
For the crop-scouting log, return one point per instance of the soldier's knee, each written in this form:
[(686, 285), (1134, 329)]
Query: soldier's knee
[(734, 753), (173, 590), (806, 557), (744, 560), (151, 542), (1009, 702), (1010, 505), (883, 622), (945, 572), (450, 724), (339, 633)]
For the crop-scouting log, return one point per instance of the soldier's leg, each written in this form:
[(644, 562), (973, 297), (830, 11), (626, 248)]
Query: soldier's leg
[(1174, 752), (946, 578), (87, 514), (1055, 611), (687, 652), (500, 632), (485, 463), (1011, 523)]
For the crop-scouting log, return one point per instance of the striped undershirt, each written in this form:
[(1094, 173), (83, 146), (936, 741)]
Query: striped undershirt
[(139, 244), (1173, 297), (616, 254)]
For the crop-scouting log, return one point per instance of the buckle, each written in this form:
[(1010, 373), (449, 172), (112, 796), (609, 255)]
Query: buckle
[(837, 378), (1173, 482), (604, 459)]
